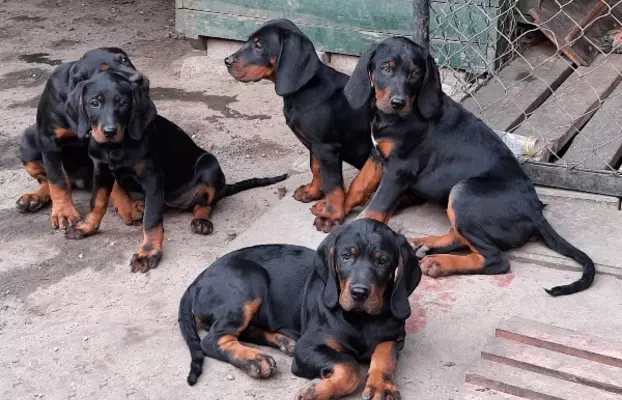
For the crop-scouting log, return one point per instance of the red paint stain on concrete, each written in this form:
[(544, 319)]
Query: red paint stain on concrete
[(418, 319), (502, 280)]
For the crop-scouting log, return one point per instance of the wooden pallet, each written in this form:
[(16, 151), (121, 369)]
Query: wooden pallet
[(531, 360), (543, 94)]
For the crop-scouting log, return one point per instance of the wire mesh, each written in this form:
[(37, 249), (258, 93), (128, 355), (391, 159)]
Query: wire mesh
[(566, 106)]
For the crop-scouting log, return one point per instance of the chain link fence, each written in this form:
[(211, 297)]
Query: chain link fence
[(545, 74)]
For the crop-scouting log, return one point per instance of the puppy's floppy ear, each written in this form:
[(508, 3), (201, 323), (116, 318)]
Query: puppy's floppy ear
[(359, 87), (76, 110), (325, 264), (143, 109), (298, 62), (429, 98), (407, 277)]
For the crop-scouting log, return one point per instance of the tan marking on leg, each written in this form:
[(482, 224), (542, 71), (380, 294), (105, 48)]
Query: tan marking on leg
[(150, 252), (313, 190), (381, 375), (343, 380), (130, 210), (364, 185), (64, 213)]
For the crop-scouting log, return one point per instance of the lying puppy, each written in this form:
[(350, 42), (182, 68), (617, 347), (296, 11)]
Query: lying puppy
[(146, 153), (55, 155), (318, 114), (345, 304), (435, 148)]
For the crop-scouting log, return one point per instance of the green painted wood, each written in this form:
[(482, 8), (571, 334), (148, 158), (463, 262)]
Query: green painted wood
[(447, 20), (461, 33)]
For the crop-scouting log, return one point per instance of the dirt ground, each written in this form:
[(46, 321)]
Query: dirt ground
[(74, 322)]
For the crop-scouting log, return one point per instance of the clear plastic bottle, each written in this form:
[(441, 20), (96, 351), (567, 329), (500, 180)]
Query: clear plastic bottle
[(522, 146)]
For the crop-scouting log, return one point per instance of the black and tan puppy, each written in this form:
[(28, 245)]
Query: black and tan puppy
[(317, 112), (436, 149), (332, 309), (145, 153), (55, 154)]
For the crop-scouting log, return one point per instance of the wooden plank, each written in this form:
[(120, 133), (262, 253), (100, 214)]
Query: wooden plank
[(557, 21), (566, 341), (520, 88), (565, 112), (455, 21), (557, 365), (557, 176), (466, 33), (530, 385), (599, 145), (325, 38), (472, 392)]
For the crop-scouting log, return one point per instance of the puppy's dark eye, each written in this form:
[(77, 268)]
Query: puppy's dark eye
[(387, 68), (258, 45), (346, 256), (122, 102), (382, 261), (123, 59), (94, 103)]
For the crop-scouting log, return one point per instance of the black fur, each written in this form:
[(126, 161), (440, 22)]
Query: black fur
[(445, 154), (149, 154), (300, 296)]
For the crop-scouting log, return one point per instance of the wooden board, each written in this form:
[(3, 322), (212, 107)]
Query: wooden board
[(566, 341), (461, 31), (533, 360), (531, 385), (557, 176), (599, 145), (558, 22), (520, 88), (563, 115), (555, 364)]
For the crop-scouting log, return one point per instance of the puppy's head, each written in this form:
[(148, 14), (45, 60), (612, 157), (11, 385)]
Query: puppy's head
[(277, 51), (100, 59), (368, 268), (398, 77), (110, 104)]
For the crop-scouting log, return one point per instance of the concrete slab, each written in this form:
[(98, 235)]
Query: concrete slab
[(589, 227), (548, 195), (452, 318)]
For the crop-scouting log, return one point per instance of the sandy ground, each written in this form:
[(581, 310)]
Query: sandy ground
[(74, 322)]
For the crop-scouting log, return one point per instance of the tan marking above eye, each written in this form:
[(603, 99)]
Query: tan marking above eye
[(377, 255), (353, 250)]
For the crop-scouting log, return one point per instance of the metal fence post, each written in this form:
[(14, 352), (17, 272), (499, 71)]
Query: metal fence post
[(421, 23)]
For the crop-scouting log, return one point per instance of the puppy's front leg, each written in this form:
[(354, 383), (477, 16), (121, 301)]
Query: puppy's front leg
[(150, 252), (103, 181), (381, 376), (329, 212), (321, 358)]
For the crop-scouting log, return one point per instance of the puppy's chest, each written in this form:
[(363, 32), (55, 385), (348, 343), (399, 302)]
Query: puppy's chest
[(363, 341)]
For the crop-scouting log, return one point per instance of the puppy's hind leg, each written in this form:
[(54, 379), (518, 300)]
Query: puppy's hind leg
[(211, 182), (222, 342)]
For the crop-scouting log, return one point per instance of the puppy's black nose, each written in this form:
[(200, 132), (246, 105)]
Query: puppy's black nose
[(109, 130), (229, 61), (359, 292), (398, 102)]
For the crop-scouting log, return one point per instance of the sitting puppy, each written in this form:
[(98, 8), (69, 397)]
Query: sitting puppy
[(317, 112), (435, 148), (332, 309), (55, 155), (146, 153)]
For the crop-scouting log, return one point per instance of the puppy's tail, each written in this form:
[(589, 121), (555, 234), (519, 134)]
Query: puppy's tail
[(188, 328), (558, 244), (251, 183)]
